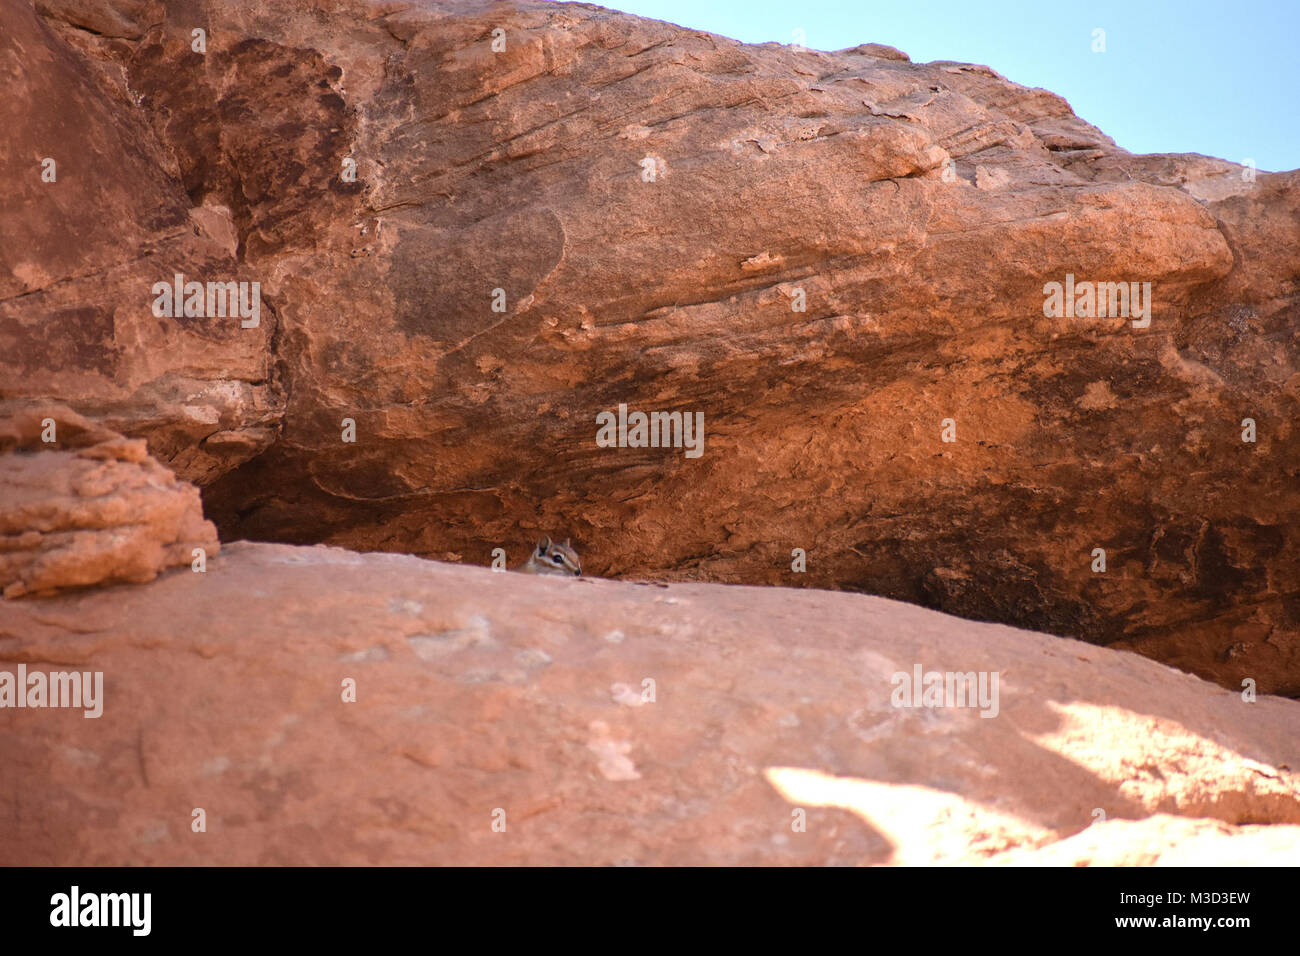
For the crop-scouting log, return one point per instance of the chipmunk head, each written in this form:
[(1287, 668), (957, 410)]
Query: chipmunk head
[(553, 558)]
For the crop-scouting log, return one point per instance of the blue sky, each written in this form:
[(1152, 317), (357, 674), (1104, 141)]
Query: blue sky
[(1189, 76)]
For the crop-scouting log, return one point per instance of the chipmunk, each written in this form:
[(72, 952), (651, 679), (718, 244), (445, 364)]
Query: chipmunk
[(550, 558)]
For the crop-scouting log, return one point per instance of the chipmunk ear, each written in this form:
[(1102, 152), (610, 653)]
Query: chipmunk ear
[(543, 544), (567, 545)]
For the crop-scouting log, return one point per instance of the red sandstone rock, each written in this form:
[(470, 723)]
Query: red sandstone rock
[(88, 506), (82, 252), (918, 208), (478, 692)]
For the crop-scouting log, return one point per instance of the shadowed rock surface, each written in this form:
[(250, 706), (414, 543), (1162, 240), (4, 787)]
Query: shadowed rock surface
[(919, 209), (479, 692)]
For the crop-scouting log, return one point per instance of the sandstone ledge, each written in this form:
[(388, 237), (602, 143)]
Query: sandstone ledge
[(87, 506), (479, 690)]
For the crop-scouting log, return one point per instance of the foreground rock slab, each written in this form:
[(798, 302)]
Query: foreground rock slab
[(485, 698)]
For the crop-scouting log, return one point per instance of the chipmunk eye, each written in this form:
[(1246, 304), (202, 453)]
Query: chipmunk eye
[(557, 559)]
